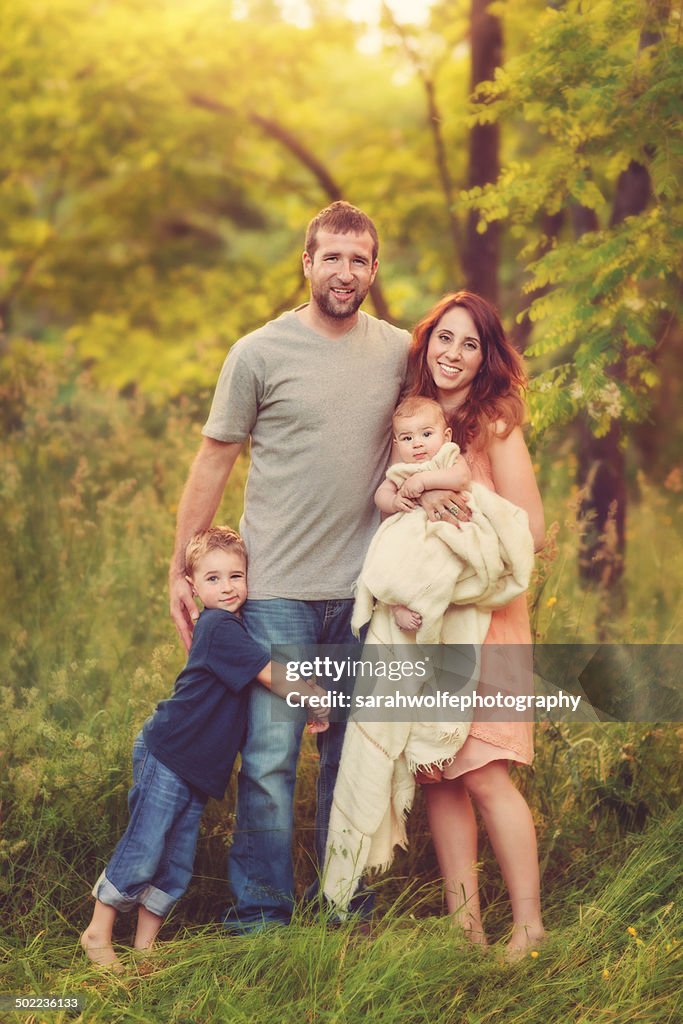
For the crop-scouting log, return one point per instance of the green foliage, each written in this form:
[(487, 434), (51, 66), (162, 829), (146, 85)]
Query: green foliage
[(86, 505), (153, 199), (597, 99), (149, 220)]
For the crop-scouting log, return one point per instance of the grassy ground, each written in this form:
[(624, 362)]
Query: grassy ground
[(613, 956), (86, 649)]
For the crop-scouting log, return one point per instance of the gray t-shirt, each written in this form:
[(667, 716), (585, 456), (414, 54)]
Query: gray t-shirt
[(319, 415)]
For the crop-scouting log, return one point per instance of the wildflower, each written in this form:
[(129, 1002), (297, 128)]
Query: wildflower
[(613, 402), (632, 931), (533, 954), (551, 602), (605, 974)]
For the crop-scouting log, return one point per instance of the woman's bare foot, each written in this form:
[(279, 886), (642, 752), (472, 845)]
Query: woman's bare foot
[(472, 932), (524, 939), (100, 950)]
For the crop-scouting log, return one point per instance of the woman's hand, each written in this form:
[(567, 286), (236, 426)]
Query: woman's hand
[(446, 506)]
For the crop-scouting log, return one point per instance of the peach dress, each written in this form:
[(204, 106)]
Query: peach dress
[(495, 740)]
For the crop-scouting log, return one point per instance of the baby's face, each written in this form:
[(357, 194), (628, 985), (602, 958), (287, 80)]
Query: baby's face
[(419, 437), (220, 580)]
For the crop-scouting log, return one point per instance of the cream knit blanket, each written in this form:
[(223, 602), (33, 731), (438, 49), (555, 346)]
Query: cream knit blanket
[(453, 578)]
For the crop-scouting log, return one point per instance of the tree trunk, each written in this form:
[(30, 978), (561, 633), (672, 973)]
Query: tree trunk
[(551, 226), (434, 121), (482, 250), (601, 469)]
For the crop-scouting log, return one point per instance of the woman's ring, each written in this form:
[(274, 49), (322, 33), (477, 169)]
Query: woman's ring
[(437, 515), (454, 511)]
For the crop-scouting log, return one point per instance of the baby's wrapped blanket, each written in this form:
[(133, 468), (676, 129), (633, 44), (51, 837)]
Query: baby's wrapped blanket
[(453, 578)]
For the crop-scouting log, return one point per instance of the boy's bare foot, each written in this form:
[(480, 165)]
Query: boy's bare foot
[(100, 951), (524, 940)]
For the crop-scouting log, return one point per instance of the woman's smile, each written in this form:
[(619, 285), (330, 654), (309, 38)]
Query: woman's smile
[(454, 353)]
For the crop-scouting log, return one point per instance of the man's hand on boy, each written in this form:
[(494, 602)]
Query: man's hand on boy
[(183, 607)]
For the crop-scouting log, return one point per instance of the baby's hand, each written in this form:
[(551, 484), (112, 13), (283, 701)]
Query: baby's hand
[(413, 487), (318, 717), (402, 504), (406, 619)]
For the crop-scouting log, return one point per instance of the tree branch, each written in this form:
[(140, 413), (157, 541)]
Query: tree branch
[(296, 147)]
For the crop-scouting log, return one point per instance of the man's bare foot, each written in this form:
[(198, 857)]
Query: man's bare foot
[(524, 939), (100, 951)]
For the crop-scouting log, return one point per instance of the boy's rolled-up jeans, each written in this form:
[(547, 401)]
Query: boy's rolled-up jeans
[(152, 863), (260, 859)]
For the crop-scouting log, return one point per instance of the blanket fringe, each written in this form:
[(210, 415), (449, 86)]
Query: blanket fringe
[(440, 764)]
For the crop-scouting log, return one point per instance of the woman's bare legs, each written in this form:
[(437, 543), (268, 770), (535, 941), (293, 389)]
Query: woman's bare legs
[(147, 928), (96, 939), (510, 827), (454, 831)]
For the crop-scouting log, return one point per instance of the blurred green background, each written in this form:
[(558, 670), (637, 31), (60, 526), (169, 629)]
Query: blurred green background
[(159, 162)]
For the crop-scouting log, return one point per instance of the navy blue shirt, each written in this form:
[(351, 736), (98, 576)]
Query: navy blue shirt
[(198, 731)]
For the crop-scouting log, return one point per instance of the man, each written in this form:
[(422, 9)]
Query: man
[(314, 390)]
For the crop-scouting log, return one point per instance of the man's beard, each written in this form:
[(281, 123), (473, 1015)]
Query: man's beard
[(325, 302)]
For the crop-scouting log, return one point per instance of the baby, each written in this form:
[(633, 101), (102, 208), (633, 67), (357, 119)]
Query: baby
[(420, 431)]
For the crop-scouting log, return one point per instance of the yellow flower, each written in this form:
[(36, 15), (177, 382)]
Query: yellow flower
[(632, 931), (605, 974), (533, 954), (551, 602)]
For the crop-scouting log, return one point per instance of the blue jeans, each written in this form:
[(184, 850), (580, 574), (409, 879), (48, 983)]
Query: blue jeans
[(152, 863), (260, 859)]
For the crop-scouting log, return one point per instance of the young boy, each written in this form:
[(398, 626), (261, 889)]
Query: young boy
[(420, 431), (186, 750)]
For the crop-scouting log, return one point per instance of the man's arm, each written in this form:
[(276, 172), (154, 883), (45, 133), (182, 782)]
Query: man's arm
[(200, 499)]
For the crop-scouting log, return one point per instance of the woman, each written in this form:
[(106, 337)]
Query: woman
[(461, 357)]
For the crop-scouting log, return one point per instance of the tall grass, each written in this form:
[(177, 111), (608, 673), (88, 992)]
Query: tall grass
[(87, 501)]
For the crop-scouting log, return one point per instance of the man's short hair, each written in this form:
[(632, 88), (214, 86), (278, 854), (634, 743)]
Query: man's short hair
[(216, 537), (414, 404), (341, 218)]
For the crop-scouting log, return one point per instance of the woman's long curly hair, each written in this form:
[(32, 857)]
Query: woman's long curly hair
[(495, 399)]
